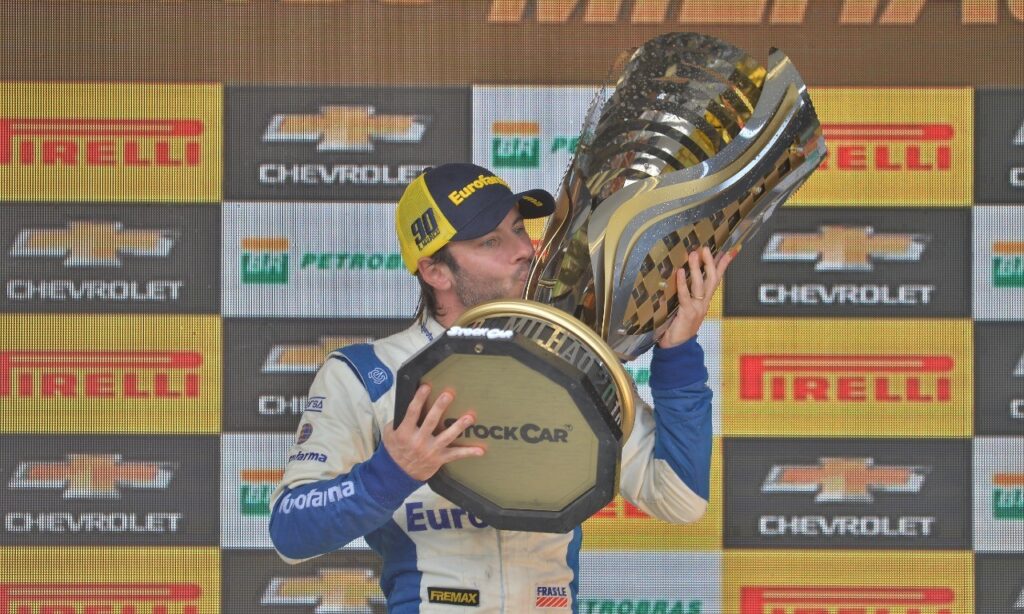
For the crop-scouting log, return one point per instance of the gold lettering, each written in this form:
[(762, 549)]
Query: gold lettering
[(901, 11), (650, 11), (788, 11), (858, 11)]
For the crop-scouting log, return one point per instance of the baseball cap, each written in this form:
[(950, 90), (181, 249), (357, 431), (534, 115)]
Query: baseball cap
[(457, 202)]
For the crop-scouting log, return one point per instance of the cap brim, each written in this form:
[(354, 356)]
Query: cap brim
[(532, 204)]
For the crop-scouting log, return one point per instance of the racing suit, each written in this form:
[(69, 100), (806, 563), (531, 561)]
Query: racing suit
[(340, 483)]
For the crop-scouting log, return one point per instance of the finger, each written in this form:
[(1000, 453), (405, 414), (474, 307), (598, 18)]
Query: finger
[(437, 410), (723, 264), (412, 413), (682, 291), (710, 269), (696, 277), (456, 429), (454, 453)]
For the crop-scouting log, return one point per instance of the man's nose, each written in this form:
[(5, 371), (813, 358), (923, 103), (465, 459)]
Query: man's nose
[(524, 248)]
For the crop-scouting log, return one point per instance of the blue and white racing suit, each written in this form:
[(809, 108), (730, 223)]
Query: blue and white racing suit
[(340, 484)]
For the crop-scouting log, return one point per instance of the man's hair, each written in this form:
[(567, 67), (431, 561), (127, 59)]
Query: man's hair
[(428, 300)]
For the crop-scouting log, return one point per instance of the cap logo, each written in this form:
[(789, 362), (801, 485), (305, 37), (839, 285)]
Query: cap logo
[(479, 183), (425, 228)]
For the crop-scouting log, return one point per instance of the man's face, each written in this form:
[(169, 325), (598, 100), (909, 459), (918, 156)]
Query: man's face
[(494, 266)]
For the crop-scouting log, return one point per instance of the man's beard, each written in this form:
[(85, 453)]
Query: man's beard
[(473, 291)]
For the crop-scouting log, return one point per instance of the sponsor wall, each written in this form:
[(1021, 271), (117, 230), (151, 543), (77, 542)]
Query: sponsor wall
[(188, 234)]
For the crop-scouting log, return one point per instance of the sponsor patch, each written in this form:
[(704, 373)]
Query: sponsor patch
[(304, 433), (552, 597), (315, 404), (453, 596)]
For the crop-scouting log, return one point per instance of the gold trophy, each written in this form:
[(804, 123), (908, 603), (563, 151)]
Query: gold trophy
[(697, 146)]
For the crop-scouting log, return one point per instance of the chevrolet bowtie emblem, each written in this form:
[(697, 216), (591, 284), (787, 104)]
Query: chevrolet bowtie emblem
[(331, 590), (92, 476), (837, 480), (844, 248), (92, 243), (347, 128), (306, 358)]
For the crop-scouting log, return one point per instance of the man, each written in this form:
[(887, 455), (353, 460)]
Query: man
[(356, 474)]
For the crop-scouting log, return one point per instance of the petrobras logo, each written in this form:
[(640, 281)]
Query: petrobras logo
[(255, 489), (317, 497), (515, 144), (1008, 264), (839, 480), (306, 357), (527, 433), (331, 589), (69, 142), (92, 476), (830, 599), (480, 333), (419, 518), (857, 378), (348, 128), (907, 147), (266, 261), (89, 597), (48, 374), (1008, 496)]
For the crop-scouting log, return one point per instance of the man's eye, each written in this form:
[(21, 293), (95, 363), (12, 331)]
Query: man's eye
[(519, 229), (490, 242)]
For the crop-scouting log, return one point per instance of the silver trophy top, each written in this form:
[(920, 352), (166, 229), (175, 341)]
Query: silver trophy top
[(697, 146)]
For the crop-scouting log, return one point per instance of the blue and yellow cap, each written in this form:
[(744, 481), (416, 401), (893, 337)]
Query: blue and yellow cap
[(457, 202)]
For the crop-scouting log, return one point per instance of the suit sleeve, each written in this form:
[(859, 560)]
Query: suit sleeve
[(338, 484), (666, 464)]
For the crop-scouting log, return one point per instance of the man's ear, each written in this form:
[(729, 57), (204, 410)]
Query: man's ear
[(435, 274)]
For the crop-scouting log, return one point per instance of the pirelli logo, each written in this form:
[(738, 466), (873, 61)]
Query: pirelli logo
[(864, 378), (96, 597), (92, 476), (35, 374), (912, 147), (92, 243), (100, 142), (845, 599), (344, 128)]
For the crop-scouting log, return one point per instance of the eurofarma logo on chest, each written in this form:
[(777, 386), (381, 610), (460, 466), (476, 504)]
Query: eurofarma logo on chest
[(847, 376), (894, 146), (110, 142), (110, 373)]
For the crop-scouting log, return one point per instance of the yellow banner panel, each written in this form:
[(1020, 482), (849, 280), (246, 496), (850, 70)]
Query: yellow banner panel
[(622, 526), (847, 377), (102, 579), (110, 142), (886, 146), (110, 373), (837, 582)]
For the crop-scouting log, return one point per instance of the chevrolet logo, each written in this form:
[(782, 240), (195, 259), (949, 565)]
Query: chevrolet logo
[(844, 248), (331, 590), (346, 128), (306, 358), (92, 476), (841, 480), (92, 243)]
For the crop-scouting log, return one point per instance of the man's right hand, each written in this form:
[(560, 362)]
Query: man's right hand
[(416, 448)]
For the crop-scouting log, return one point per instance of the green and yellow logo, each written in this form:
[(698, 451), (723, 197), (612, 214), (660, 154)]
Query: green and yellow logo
[(1008, 496), (1008, 264), (515, 144), (265, 260), (257, 485)]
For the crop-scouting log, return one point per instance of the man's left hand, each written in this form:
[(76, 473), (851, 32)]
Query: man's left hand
[(695, 300)]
